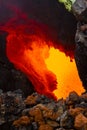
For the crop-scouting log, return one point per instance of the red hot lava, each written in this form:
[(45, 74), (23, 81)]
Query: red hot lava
[(28, 48)]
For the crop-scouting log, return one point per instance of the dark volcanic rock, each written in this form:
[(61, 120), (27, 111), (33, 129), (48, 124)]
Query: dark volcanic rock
[(11, 104), (80, 10), (16, 115), (79, 7), (81, 54), (66, 120), (73, 97), (13, 79)]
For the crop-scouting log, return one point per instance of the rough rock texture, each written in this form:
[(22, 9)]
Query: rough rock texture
[(80, 121), (41, 113), (13, 79), (80, 10), (81, 54)]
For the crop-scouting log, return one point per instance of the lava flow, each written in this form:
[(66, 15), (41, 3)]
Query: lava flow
[(28, 53), (66, 73), (49, 70)]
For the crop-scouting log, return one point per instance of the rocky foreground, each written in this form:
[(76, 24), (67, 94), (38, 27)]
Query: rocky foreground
[(38, 112)]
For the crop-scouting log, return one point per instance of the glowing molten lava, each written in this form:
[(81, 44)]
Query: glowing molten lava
[(47, 68), (66, 72), (28, 53)]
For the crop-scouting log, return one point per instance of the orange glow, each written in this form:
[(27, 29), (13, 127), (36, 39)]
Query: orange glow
[(49, 70), (31, 50), (30, 57), (66, 72)]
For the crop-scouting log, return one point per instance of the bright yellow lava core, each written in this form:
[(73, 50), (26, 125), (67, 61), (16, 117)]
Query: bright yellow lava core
[(66, 73)]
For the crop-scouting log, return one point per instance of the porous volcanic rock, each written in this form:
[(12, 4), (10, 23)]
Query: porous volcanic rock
[(16, 114)]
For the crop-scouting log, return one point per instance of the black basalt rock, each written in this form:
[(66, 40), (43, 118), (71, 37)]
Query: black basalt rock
[(80, 11), (81, 55)]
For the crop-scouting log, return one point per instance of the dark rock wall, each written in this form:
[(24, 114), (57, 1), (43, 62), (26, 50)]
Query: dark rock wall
[(81, 55), (80, 11)]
